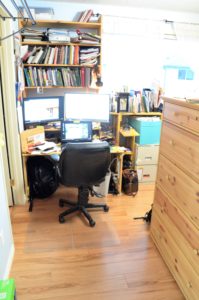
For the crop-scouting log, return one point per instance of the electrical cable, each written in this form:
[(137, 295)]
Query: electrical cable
[(12, 34)]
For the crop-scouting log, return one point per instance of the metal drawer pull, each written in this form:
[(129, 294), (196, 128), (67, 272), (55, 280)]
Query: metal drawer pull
[(171, 142), (172, 179), (189, 285), (196, 251)]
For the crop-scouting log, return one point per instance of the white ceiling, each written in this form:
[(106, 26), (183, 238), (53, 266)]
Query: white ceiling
[(173, 5)]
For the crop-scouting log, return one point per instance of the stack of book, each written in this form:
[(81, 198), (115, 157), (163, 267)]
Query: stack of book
[(69, 77), (33, 35), (58, 35), (88, 38), (89, 56)]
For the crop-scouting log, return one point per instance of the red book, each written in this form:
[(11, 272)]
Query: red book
[(76, 55), (88, 15), (55, 56)]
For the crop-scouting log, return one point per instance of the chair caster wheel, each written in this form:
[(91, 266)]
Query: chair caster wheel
[(61, 219), (106, 208), (92, 223), (61, 203)]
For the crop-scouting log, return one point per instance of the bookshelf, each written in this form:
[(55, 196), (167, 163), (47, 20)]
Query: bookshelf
[(74, 63)]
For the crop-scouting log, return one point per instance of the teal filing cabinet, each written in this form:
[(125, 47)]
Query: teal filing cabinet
[(149, 129)]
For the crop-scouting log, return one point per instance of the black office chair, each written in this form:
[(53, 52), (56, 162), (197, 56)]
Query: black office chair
[(83, 165)]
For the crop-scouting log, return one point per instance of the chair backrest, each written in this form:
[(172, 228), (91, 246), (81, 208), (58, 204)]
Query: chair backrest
[(84, 163)]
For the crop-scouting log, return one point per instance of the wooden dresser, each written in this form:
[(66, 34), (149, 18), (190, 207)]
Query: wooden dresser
[(175, 218)]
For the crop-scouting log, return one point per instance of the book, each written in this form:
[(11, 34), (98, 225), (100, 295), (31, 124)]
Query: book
[(83, 15), (37, 56), (76, 55), (88, 15), (59, 78), (31, 54), (51, 57), (42, 58)]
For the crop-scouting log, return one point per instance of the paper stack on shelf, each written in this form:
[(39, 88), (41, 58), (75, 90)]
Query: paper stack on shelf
[(33, 35), (89, 56), (55, 35)]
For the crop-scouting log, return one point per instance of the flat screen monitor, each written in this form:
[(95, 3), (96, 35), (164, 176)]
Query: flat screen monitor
[(42, 109), (76, 131), (87, 107)]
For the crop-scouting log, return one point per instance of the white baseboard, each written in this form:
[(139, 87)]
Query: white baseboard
[(9, 263)]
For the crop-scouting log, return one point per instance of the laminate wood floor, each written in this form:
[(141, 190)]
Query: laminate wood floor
[(114, 260)]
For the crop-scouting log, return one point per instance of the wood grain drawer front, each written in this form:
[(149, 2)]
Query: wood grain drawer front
[(179, 266), (183, 116), (185, 234), (183, 190), (181, 147)]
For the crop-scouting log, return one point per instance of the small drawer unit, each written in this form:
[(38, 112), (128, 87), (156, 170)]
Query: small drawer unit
[(149, 129), (146, 173), (146, 154)]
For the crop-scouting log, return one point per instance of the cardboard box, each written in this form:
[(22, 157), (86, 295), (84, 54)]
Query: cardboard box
[(30, 138)]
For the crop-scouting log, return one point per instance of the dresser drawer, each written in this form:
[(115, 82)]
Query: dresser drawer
[(181, 147), (174, 257), (183, 190), (183, 116), (185, 233)]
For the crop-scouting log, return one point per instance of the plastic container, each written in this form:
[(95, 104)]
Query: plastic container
[(104, 186), (149, 129), (7, 289)]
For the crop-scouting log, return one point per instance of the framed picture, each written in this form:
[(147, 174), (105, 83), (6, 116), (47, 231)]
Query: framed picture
[(122, 102)]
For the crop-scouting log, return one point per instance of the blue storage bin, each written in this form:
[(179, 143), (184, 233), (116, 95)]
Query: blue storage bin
[(149, 129)]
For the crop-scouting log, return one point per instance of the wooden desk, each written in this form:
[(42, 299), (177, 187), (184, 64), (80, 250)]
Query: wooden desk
[(119, 152)]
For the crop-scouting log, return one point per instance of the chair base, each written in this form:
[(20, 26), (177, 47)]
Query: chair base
[(81, 205)]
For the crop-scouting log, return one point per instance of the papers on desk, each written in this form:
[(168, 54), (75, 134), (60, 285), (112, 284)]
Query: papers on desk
[(46, 148), (118, 149)]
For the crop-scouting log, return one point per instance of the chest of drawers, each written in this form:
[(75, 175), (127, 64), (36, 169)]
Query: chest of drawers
[(175, 218)]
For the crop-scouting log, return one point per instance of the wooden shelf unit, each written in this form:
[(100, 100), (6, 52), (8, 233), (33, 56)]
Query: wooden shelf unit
[(61, 24), (95, 28), (118, 117)]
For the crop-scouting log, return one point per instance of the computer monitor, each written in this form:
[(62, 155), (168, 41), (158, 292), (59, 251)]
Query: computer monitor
[(87, 107), (76, 131), (42, 110)]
